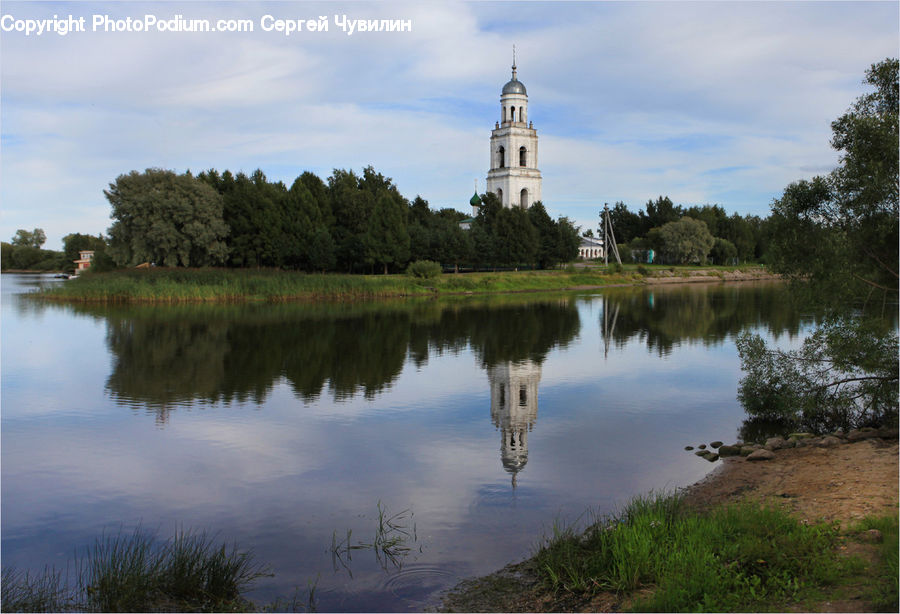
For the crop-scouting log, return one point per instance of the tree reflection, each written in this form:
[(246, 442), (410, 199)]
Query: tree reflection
[(165, 357), (664, 317)]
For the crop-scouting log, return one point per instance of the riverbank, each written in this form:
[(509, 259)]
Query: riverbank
[(159, 285), (847, 489)]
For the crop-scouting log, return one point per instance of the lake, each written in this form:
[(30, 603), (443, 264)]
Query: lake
[(478, 422)]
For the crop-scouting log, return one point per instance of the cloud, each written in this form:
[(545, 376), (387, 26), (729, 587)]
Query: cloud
[(630, 100)]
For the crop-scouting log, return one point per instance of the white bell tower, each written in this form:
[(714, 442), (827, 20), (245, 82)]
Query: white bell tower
[(514, 176)]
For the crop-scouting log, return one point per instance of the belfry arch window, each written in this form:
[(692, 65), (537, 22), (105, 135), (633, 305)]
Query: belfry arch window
[(512, 114), (500, 195), (523, 198), (521, 114), (522, 156), (502, 161), (504, 115)]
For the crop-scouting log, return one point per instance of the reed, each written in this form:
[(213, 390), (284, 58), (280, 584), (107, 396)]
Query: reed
[(137, 573)]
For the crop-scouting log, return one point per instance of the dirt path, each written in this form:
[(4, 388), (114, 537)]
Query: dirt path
[(843, 483)]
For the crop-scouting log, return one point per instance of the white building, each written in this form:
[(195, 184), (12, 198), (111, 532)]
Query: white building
[(590, 248), (514, 176)]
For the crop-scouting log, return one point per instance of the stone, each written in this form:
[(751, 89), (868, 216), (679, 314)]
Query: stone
[(830, 441), (774, 443), (701, 452), (729, 450), (747, 450), (702, 446), (688, 448), (712, 457), (860, 434), (888, 433), (761, 455), (801, 435), (872, 536), (715, 444)]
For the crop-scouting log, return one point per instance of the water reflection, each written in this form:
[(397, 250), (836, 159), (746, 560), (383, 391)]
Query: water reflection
[(665, 316), (514, 408), (165, 358)]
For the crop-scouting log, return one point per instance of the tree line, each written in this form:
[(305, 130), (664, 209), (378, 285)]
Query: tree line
[(688, 235), (354, 223)]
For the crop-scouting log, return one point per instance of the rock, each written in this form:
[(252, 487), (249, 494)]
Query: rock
[(688, 448), (801, 435), (702, 446), (747, 450), (830, 441), (729, 450), (872, 536), (712, 457), (715, 444), (761, 455), (808, 441), (774, 443), (790, 443), (859, 435), (888, 433)]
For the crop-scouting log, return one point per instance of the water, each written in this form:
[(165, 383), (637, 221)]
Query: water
[(283, 427)]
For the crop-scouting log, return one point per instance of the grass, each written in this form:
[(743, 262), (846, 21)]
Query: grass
[(161, 285), (393, 534), (137, 573), (742, 557), (884, 582)]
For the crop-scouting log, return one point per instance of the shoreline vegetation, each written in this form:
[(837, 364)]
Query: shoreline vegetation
[(814, 530), (211, 285)]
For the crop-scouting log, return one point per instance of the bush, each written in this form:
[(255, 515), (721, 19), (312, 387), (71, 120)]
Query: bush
[(425, 269), (643, 270)]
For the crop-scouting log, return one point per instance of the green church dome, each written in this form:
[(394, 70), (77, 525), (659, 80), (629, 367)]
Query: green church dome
[(475, 201)]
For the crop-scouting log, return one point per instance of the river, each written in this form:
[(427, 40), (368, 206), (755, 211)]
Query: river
[(478, 422)]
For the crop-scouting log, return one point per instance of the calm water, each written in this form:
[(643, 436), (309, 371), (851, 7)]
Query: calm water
[(282, 427)]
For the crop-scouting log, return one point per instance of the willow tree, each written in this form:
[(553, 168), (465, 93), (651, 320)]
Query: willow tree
[(167, 219)]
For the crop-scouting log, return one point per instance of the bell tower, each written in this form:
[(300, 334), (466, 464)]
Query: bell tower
[(514, 176)]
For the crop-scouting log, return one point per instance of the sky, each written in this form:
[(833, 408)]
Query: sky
[(705, 102)]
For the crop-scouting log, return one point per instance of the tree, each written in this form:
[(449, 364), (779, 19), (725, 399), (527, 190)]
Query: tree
[(659, 213), (169, 219), (723, 251), (686, 241), (836, 238), (626, 224), (548, 235), (567, 240), (35, 238), (386, 239)]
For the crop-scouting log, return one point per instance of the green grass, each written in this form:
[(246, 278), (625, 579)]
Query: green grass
[(884, 582), (161, 285), (743, 557), (137, 573)]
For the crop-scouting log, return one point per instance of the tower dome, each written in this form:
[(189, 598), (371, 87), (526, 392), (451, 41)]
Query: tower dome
[(514, 86)]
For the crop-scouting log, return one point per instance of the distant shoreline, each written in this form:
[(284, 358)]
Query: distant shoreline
[(160, 285)]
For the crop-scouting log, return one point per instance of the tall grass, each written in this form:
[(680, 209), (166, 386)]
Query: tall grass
[(884, 591), (735, 558), (137, 573)]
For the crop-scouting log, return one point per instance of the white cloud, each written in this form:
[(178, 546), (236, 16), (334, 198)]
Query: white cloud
[(631, 100)]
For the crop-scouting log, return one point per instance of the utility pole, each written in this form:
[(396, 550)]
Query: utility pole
[(609, 237)]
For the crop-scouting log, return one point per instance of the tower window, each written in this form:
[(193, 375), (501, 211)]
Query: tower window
[(512, 114), (502, 153), (523, 198), (522, 156), (523, 396), (521, 114), (502, 395), (500, 195)]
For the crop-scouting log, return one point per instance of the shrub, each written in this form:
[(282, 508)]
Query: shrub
[(425, 269), (643, 270)]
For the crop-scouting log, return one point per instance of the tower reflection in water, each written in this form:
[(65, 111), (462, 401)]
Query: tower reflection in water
[(514, 405)]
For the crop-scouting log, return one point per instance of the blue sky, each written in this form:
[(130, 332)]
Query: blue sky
[(718, 102)]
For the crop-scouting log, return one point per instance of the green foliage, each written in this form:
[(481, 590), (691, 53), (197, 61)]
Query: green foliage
[(837, 238), (723, 251), (386, 239), (167, 219), (424, 269), (137, 573), (35, 238), (685, 241), (741, 557), (844, 376), (840, 231)]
